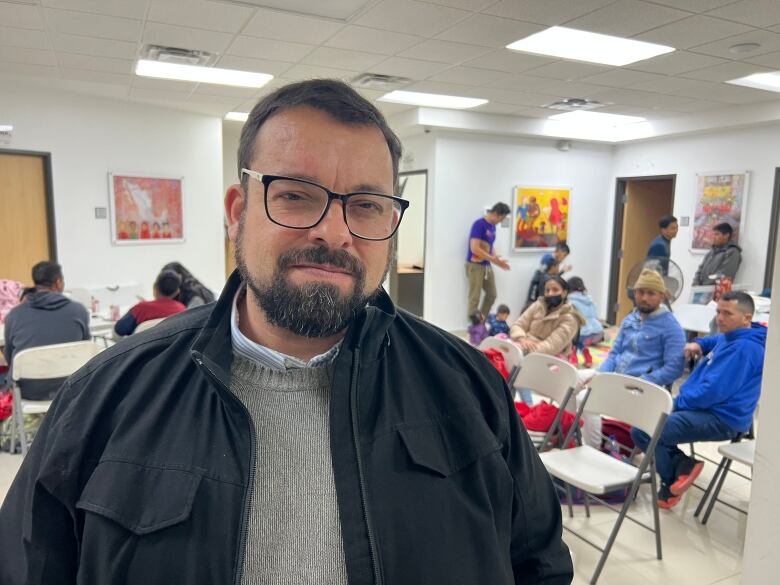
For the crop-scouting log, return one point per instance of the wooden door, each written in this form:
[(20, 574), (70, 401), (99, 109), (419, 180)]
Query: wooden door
[(24, 215)]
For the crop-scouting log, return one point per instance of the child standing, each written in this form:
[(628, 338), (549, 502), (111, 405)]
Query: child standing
[(590, 333), (497, 322), (477, 329)]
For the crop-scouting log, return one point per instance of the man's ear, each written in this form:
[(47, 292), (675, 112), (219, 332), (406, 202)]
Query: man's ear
[(235, 203)]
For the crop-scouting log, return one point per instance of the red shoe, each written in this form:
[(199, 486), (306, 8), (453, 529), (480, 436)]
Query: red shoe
[(685, 480), (588, 358), (668, 503), (573, 360)]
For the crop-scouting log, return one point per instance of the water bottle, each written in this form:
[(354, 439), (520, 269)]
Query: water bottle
[(613, 447)]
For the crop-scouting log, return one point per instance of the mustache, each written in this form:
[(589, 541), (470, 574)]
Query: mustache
[(322, 255)]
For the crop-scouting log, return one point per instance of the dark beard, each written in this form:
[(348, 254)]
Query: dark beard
[(309, 310)]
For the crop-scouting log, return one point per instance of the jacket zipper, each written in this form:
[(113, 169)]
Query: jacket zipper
[(252, 465), (375, 565)]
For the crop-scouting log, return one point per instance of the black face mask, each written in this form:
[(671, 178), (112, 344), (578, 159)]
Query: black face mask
[(553, 300)]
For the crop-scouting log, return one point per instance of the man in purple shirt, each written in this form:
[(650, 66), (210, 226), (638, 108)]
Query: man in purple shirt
[(480, 256)]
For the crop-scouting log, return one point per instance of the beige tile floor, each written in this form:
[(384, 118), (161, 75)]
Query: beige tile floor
[(693, 554)]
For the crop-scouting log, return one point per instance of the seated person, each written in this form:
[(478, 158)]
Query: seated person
[(649, 345), (46, 317), (192, 292), (722, 260), (549, 325), (717, 401), (166, 287), (497, 321), (550, 266), (477, 330), (590, 333)]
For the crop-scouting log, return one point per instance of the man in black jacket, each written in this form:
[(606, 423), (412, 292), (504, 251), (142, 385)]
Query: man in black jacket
[(300, 430)]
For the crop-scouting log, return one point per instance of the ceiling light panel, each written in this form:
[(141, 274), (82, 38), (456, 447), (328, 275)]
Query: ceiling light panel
[(766, 81), (237, 116), (217, 76), (432, 100), (580, 45)]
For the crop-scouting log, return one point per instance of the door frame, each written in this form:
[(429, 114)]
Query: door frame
[(49, 193), (774, 228), (617, 235)]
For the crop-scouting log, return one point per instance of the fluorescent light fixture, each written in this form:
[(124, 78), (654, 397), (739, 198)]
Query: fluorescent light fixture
[(6, 128), (433, 100), (597, 118), (598, 126), (766, 81), (580, 45), (198, 74), (237, 116)]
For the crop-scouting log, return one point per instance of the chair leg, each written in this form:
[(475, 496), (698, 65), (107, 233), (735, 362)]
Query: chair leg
[(656, 516), (714, 496), (610, 541), (587, 505), (569, 498), (710, 487)]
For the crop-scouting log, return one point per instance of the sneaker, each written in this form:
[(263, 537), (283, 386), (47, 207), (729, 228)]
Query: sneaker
[(687, 471), (666, 499), (588, 358), (573, 359)]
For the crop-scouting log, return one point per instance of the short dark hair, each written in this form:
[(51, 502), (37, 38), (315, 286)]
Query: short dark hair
[(476, 318), (724, 228), (666, 221), (168, 283), (334, 97), (559, 279), (500, 208), (563, 247), (46, 273), (744, 301), (502, 309), (577, 284)]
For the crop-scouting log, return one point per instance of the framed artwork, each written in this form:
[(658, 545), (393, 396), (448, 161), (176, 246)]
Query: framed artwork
[(540, 217), (720, 197), (145, 210)]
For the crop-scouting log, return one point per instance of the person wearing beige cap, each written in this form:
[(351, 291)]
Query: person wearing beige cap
[(649, 345)]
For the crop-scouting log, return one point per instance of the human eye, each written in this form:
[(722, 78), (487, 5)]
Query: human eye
[(367, 205)]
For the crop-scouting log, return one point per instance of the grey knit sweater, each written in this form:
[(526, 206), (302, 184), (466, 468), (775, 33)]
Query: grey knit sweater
[(294, 532)]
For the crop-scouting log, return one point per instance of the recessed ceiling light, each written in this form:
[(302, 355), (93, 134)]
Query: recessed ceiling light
[(237, 116), (597, 118), (198, 74), (767, 81), (432, 100), (580, 45), (742, 48), (6, 128)]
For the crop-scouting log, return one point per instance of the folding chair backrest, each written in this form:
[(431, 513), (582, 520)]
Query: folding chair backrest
[(148, 325), (513, 357), (548, 376), (635, 401), (52, 361)]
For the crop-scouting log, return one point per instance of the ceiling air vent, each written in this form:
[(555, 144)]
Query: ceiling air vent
[(574, 104), (379, 81), (177, 56)]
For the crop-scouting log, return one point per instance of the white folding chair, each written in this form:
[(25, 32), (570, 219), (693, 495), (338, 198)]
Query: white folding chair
[(743, 452), (513, 357), (47, 362), (642, 405), (148, 325)]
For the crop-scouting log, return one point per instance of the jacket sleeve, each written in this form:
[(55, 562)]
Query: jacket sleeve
[(86, 333), (656, 249), (538, 553), (8, 348), (697, 277), (708, 343), (520, 327), (673, 357), (610, 363), (126, 325), (732, 258), (561, 336)]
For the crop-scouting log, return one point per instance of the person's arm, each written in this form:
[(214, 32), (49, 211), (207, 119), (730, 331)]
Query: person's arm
[(613, 356), (673, 358), (697, 277), (732, 258), (126, 325), (8, 348), (519, 328), (479, 253), (708, 343), (656, 249), (561, 336), (723, 378), (86, 334)]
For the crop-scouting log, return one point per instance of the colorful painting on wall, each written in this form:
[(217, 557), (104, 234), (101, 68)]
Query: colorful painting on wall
[(720, 197), (146, 210), (540, 217)]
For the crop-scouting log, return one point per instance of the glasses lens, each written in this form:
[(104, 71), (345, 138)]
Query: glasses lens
[(295, 204), (373, 216)]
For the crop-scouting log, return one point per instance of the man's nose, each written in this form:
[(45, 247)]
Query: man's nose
[(332, 230)]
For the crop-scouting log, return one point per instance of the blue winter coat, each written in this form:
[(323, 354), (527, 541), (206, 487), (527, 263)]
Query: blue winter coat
[(587, 308)]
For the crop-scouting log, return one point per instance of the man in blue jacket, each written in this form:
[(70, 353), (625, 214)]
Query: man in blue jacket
[(718, 399)]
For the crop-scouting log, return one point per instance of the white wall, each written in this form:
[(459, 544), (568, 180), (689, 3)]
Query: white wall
[(231, 135), (411, 232), (88, 137), (752, 149), (473, 172)]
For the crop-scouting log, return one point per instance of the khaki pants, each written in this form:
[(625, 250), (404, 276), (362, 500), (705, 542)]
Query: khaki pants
[(480, 278)]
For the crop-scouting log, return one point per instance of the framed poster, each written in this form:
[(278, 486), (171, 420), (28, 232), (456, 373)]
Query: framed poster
[(145, 210), (540, 217), (720, 197)]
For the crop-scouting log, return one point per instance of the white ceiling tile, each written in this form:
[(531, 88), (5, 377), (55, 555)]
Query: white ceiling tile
[(220, 16), (733, 94), (771, 60), (672, 102), (226, 104), (409, 16), (24, 37), (692, 31), (622, 96), (31, 56), (186, 38), (531, 112), (467, 76), (567, 70), (550, 12), (572, 89), (496, 108), (412, 68), (94, 46), (93, 25), (104, 64), (509, 61), (284, 26), (163, 85), (256, 65), (376, 40), (489, 31), (258, 48), (626, 110), (96, 76), (235, 94), (388, 109), (760, 13), (444, 51), (448, 89), (626, 18), (316, 71), (678, 86), (158, 95), (524, 82), (473, 5), (694, 5), (520, 98), (769, 42), (126, 8), (726, 71), (28, 70), (621, 77), (676, 63), (21, 16), (344, 58)]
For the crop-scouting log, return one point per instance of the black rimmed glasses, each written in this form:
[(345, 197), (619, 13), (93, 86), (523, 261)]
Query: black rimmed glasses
[(301, 205)]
